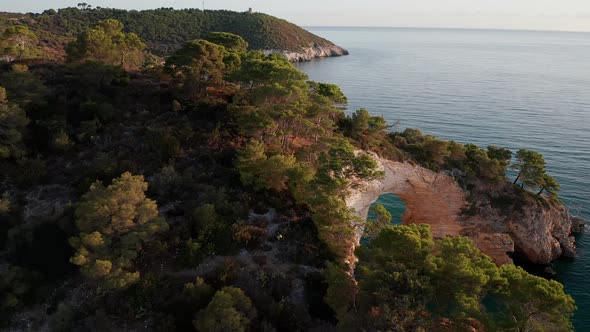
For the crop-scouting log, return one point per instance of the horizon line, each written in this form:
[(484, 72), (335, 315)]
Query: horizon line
[(442, 28)]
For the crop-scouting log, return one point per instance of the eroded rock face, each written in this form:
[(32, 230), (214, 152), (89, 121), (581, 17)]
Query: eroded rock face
[(311, 53), (541, 234)]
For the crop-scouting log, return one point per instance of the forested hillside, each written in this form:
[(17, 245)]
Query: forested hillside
[(208, 193), (164, 30)]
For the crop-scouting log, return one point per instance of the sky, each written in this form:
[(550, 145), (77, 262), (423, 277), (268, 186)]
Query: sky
[(567, 15)]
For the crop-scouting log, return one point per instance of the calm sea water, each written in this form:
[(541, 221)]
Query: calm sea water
[(516, 89)]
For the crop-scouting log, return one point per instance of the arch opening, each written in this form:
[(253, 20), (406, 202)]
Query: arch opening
[(393, 204)]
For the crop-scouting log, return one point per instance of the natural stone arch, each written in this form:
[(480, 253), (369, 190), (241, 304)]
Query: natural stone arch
[(431, 198)]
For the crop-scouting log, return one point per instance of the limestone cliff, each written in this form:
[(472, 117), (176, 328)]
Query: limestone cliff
[(310, 53), (539, 233), (542, 231)]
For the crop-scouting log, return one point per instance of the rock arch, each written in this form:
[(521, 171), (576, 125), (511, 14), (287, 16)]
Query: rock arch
[(431, 198)]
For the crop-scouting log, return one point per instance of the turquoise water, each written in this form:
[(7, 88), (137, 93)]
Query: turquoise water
[(393, 204), (517, 89)]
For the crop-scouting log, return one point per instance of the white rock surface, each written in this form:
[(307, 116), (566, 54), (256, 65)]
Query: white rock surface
[(311, 53)]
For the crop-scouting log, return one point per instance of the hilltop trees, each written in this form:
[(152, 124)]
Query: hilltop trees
[(279, 111), (531, 172), (340, 167), (164, 29), (549, 185), (114, 222), (18, 42), (107, 43), (272, 71), (530, 166), (489, 165), (426, 149), (13, 122), (276, 106), (503, 155), (472, 162), (198, 64), (230, 41), (330, 91), (370, 131), (234, 48)]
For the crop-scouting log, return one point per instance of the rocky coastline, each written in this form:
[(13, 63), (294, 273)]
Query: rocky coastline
[(538, 232), (310, 53)]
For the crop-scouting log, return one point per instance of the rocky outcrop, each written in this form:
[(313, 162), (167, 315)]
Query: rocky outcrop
[(578, 225), (540, 233), (543, 234), (310, 53)]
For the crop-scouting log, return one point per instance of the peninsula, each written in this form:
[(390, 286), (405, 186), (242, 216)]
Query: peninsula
[(164, 30)]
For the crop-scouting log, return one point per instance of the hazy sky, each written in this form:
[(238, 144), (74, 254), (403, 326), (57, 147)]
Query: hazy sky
[(503, 14)]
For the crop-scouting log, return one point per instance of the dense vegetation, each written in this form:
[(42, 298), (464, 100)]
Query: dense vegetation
[(208, 193), (407, 280), (165, 29)]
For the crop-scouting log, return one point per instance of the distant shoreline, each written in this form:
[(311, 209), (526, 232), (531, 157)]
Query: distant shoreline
[(441, 28)]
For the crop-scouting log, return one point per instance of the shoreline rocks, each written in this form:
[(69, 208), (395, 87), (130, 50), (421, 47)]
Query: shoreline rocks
[(310, 53), (578, 225), (543, 234)]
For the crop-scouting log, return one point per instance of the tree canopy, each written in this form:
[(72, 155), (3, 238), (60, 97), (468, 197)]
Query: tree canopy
[(114, 222), (259, 70), (407, 279), (229, 310), (166, 29), (13, 123), (198, 64), (107, 43), (532, 173), (231, 42), (18, 42)]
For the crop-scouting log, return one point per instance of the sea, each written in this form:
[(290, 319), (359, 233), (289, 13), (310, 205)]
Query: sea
[(515, 89)]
